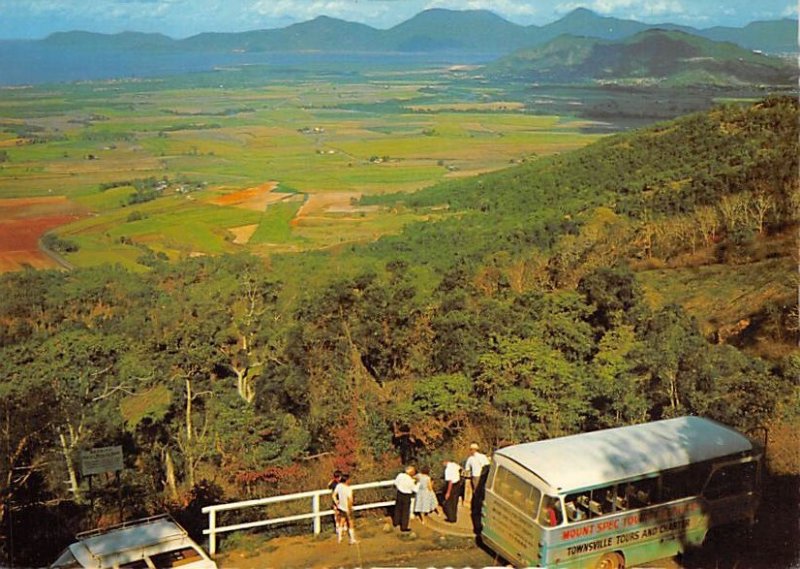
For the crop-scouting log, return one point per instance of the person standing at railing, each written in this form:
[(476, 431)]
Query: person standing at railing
[(337, 521), (406, 487), (343, 498)]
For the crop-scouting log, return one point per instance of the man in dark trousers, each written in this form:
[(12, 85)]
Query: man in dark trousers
[(478, 495), (406, 488), (452, 480)]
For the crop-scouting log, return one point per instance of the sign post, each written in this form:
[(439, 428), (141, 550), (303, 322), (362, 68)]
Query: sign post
[(100, 460)]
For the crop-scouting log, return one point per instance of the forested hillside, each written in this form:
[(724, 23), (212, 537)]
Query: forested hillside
[(652, 57), (734, 168), (522, 315)]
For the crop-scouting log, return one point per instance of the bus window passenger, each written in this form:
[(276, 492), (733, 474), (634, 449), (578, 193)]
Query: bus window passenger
[(639, 494), (574, 514), (613, 501)]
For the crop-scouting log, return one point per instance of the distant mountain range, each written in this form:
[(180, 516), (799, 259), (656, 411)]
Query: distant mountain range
[(664, 57), (429, 31)]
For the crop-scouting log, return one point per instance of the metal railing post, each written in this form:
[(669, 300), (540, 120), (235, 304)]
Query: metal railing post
[(212, 532), (315, 511)]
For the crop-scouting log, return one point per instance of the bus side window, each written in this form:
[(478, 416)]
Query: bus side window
[(640, 493), (577, 506), (573, 513), (614, 501), (601, 502), (673, 486)]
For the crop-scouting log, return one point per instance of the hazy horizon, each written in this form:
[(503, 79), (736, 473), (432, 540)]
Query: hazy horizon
[(37, 19)]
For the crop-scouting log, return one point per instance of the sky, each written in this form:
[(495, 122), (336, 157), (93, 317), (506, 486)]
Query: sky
[(30, 19)]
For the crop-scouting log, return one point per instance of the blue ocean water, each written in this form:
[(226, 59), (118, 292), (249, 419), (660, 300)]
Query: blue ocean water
[(34, 63)]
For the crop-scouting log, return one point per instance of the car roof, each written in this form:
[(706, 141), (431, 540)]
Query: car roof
[(114, 546)]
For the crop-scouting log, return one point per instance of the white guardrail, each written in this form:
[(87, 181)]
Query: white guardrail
[(316, 514)]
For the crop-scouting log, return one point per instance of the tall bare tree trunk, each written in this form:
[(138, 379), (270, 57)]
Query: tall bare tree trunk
[(673, 392), (188, 410), (189, 451), (66, 449), (169, 468), (244, 385)]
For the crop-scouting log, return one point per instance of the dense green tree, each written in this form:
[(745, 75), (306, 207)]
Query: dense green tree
[(438, 408), (27, 424), (618, 390), (25, 309), (560, 319), (615, 295), (536, 389), (88, 373), (250, 340), (734, 388), (247, 440), (671, 342), (391, 330)]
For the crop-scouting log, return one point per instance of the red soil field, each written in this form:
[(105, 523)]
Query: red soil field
[(23, 221), (256, 199)]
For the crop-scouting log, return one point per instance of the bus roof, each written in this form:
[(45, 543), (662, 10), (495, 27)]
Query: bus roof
[(602, 457)]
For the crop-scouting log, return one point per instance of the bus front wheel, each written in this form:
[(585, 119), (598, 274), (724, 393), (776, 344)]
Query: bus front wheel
[(611, 561)]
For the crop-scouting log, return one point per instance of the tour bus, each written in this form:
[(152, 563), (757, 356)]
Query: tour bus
[(150, 543), (618, 497)]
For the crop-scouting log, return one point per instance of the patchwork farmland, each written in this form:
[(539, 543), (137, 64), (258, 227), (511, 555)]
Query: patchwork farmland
[(145, 167)]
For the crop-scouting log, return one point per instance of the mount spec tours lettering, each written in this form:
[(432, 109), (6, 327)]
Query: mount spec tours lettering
[(669, 520)]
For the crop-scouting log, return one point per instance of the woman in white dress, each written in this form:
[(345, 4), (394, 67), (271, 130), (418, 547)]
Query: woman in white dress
[(425, 500)]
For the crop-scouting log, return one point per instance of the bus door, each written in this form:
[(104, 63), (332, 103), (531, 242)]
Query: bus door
[(732, 492), (509, 516)]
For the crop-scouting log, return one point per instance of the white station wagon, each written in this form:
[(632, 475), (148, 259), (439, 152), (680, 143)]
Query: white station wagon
[(150, 543)]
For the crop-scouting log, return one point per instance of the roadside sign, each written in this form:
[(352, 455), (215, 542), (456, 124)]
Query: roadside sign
[(101, 459)]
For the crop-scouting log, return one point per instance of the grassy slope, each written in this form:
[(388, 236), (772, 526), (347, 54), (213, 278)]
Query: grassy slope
[(730, 299)]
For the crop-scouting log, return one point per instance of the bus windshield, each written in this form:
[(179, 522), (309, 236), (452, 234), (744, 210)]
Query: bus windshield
[(517, 492)]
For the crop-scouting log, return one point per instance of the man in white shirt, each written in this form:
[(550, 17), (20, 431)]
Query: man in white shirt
[(476, 462), (452, 477), (478, 467), (343, 498), (406, 487)]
